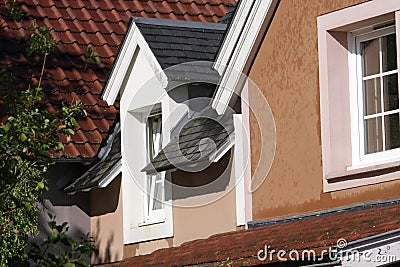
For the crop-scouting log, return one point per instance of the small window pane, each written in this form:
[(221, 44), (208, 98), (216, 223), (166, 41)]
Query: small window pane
[(158, 195), (389, 54), (370, 56), (392, 132), (372, 96), (390, 92), (373, 135), (149, 184)]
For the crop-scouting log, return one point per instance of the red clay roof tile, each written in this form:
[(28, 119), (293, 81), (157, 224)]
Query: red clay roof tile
[(78, 24), (240, 248)]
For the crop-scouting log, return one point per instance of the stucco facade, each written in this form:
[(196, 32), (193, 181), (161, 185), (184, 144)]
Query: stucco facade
[(286, 71), (197, 214)]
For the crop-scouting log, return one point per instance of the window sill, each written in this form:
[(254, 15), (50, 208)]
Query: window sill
[(151, 222), (367, 171)]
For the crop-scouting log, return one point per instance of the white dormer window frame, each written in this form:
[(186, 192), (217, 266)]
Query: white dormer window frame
[(154, 210)]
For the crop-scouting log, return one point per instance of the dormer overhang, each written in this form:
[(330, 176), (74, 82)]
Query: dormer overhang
[(239, 48)]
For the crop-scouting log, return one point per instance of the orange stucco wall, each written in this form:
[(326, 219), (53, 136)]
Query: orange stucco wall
[(208, 210), (106, 222), (286, 71)]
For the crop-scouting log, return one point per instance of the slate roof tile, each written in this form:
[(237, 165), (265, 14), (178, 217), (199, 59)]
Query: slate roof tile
[(175, 43), (99, 171), (198, 141)]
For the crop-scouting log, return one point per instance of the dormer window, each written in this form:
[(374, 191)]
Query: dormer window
[(154, 198)]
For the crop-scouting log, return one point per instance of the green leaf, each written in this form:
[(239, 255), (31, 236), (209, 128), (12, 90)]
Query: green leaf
[(59, 146), (69, 264), (28, 206), (6, 128), (51, 224), (73, 122), (54, 238), (22, 137), (40, 185)]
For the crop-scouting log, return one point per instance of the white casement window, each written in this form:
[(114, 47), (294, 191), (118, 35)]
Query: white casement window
[(359, 94), (378, 96), (155, 196)]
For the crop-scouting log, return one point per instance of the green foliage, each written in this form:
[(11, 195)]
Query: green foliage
[(41, 42), (91, 56), (15, 13), (58, 249), (26, 139)]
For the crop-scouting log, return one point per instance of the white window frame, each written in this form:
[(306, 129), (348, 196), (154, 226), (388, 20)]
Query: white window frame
[(342, 165), (359, 156), (153, 216)]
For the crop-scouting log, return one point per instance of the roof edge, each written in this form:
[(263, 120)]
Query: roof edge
[(239, 48), (349, 208), (179, 23)]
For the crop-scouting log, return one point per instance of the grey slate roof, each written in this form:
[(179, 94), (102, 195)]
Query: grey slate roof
[(200, 140), (109, 162), (227, 18), (174, 42)]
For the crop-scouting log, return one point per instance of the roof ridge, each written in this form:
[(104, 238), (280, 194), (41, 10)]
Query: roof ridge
[(180, 23)]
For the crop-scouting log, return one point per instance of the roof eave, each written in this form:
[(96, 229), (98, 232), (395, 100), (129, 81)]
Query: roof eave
[(241, 42)]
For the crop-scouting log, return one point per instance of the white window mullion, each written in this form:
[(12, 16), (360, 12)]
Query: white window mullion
[(387, 73)]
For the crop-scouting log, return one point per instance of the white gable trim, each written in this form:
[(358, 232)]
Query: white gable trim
[(126, 58), (237, 46), (115, 171)]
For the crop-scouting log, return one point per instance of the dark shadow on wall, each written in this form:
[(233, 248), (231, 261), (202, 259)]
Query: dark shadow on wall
[(86, 212), (105, 255), (58, 176), (106, 222), (215, 178), (105, 200)]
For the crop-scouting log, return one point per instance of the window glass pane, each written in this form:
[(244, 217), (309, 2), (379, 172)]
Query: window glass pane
[(155, 183), (372, 96), (390, 92), (149, 185), (370, 56), (373, 135), (389, 54), (392, 134), (158, 195)]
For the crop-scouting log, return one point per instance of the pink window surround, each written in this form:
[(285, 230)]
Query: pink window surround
[(338, 95)]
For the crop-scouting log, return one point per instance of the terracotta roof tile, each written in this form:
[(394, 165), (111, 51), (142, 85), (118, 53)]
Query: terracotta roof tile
[(77, 24), (240, 248)]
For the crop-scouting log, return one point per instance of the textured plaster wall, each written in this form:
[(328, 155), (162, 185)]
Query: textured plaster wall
[(191, 220), (286, 70), (106, 221)]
